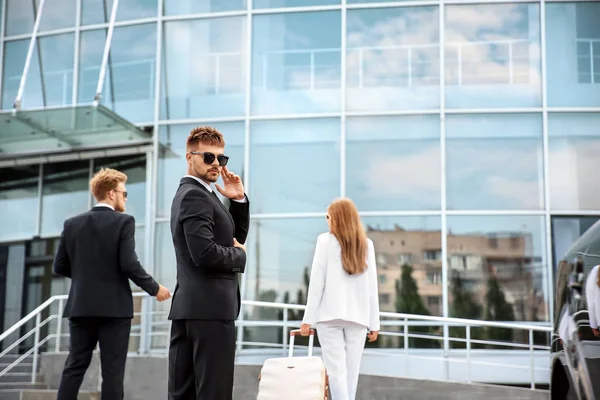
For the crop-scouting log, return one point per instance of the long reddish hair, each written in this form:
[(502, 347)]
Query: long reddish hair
[(345, 225)]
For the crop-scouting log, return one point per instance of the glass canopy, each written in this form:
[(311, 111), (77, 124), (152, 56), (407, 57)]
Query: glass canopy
[(65, 128)]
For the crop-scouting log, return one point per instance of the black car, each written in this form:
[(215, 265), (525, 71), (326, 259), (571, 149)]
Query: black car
[(575, 361)]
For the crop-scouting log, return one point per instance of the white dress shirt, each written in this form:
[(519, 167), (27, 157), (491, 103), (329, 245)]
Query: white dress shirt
[(333, 294), (592, 297), (209, 188), (104, 205)]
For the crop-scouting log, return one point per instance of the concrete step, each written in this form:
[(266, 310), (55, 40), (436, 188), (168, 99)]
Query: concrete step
[(9, 358), (21, 385), (21, 367), (19, 377), (41, 395)]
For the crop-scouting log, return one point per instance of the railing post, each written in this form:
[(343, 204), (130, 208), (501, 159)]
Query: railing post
[(264, 72), (312, 70), (531, 359), (36, 342), (409, 66), (459, 57), (406, 372), (284, 329), (143, 325), (59, 325), (511, 77), (468, 337), (592, 61), (217, 73), (360, 67)]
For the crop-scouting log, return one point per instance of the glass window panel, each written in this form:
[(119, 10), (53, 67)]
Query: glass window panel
[(165, 273), (18, 202), (573, 145), (291, 3), (294, 165), (135, 169), (172, 165), (57, 64), (99, 11), (414, 242), (393, 59), (55, 87), (280, 254), (493, 56), (130, 74), (15, 53), (65, 194), (140, 247), (498, 264), (182, 7), (204, 73), (393, 163), (20, 15), (494, 161), (573, 54), (295, 69)]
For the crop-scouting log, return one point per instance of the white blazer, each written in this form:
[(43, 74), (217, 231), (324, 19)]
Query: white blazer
[(334, 294), (592, 297)]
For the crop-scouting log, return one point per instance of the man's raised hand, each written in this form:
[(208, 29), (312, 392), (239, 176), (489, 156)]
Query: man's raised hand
[(232, 188)]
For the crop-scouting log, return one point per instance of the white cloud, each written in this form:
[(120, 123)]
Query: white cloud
[(415, 175)]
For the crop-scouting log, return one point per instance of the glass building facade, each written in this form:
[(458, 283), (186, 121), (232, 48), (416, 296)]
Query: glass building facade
[(465, 132)]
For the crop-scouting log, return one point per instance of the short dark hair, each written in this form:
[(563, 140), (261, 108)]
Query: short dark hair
[(206, 135)]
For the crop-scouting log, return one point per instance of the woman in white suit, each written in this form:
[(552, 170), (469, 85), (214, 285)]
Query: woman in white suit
[(342, 301)]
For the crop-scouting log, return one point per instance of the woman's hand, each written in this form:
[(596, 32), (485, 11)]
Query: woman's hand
[(372, 335), (305, 329)]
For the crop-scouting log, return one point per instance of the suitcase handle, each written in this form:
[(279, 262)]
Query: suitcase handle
[(311, 340)]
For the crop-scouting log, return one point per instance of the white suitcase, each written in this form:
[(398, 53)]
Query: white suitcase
[(294, 378)]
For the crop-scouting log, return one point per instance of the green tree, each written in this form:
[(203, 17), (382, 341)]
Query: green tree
[(497, 309), (408, 301), (463, 306)]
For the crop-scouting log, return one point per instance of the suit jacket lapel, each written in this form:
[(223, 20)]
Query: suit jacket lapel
[(213, 195)]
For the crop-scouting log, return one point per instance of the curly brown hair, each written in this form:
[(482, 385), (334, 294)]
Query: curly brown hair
[(206, 135)]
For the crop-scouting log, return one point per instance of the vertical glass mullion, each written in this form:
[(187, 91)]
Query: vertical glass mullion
[(248, 99), (548, 270), (343, 100), (40, 210), (76, 54), (152, 199), (444, 219)]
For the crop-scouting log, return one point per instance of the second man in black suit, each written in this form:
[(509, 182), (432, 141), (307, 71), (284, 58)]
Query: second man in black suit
[(97, 251), (208, 240)]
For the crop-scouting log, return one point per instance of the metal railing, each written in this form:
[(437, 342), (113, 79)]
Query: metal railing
[(395, 325), (589, 53), (413, 65)]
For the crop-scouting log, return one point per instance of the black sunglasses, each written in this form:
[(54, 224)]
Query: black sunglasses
[(209, 158), (124, 193)]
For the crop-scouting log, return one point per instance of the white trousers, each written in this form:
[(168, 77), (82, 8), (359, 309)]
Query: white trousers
[(342, 345)]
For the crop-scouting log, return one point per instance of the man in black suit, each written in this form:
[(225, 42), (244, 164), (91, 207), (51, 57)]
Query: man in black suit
[(206, 301), (97, 251)]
